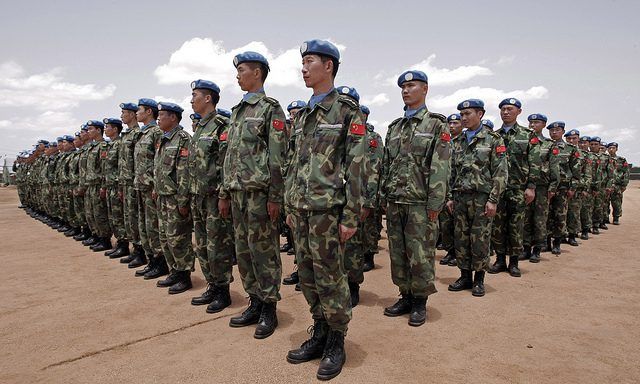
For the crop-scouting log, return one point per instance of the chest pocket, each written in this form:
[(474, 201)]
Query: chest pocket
[(519, 146), (482, 154), (326, 136), (169, 158), (252, 129), (420, 143), (394, 145)]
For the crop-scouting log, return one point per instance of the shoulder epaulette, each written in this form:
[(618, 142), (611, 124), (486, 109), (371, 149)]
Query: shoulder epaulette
[(395, 121), (349, 101), (438, 116), (272, 101)]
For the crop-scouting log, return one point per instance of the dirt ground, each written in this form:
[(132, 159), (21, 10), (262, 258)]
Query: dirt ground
[(68, 315)]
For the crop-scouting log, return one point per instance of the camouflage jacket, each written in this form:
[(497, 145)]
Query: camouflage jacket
[(144, 153), (110, 161), (523, 156), (549, 164), (375, 154), (610, 170), (480, 165), (96, 154), (171, 166), (327, 164), (416, 165), (82, 166), (126, 162), (570, 164), (597, 174), (256, 148), (72, 167), (60, 174), (206, 154), (622, 171), (586, 170)]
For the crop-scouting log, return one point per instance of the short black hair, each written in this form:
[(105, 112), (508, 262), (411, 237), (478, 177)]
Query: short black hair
[(154, 111), (264, 70), (215, 98), (335, 62)]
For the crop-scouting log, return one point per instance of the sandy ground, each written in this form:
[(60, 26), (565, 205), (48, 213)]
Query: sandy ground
[(68, 315)]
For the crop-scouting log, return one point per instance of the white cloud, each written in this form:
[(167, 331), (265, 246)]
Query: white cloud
[(490, 96), (5, 123), (506, 60), (608, 133), (375, 101), (444, 76), (45, 91)]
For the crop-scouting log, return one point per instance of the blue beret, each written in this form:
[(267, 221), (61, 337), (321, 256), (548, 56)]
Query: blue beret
[(171, 107), (224, 112), (510, 101), (319, 47), (556, 124), (349, 91), (59, 138), (573, 132), (487, 123), (112, 120), (205, 84), (364, 109), (250, 57), (78, 134), (95, 123), (453, 117), (129, 106), (603, 143), (585, 138), (537, 116), (412, 75), (612, 144), (471, 103), (296, 104), (69, 138), (148, 103), (53, 143), (595, 138), (195, 116)]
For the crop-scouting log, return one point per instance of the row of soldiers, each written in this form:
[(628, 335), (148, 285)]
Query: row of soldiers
[(323, 179)]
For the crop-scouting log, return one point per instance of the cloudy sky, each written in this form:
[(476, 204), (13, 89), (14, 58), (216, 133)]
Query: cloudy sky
[(65, 62)]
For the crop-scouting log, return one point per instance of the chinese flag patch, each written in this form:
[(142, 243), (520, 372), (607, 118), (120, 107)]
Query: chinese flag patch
[(445, 137), (577, 154), (373, 143), (103, 154), (184, 152), (357, 129), (534, 140), (223, 137), (278, 125), (555, 151), (501, 149), (625, 164)]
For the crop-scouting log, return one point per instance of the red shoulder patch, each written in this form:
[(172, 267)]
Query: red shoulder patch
[(501, 149), (534, 140), (184, 152), (555, 151), (576, 154), (625, 164), (357, 129), (373, 143), (223, 136), (278, 125), (446, 137)]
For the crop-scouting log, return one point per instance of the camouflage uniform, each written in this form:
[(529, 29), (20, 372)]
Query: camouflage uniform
[(415, 178), (74, 183), (598, 189), (610, 175), (373, 223), (83, 187), (213, 233), (252, 177), (110, 158), (94, 178), (620, 182), (574, 224), (570, 165), (324, 190), (587, 200), (126, 175)]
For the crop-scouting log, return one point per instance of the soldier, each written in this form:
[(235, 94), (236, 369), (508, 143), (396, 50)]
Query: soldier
[(253, 188), (324, 199), (78, 190), (574, 224), (598, 181), (213, 233), (110, 190), (94, 179), (523, 157), (446, 217), (608, 187), (568, 181), (620, 181), (171, 191), (195, 118), (416, 168), (536, 214), (479, 171), (587, 197)]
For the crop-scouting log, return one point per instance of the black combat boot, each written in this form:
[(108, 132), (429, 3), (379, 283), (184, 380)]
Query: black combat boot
[(140, 260), (292, 279), (606, 220), (147, 268), (103, 244), (90, 241), (616, 221), (514, 271), (65, 227), (206, 297), (418, 314), (137, 251), (72, 232), (251, 315), (221, 299), (478, 284), (183, 284), (447, 258), (500, 265), (286, 246), (556, 246), (464, 282), (548, 246), (292, 250), (173, 278), (401, 307), (368, 264), (159, 268), (572, 240), (526, 253), (298, 287), (333, 357), (604, 226), (122, 249), (354, 292), (595, 230), (585, 235), (268, 321), (312, 348), (535, 255), (83, 235)]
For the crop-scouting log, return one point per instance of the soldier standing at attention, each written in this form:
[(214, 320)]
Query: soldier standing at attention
[(479, 172), (446, 217), (253, 186), (574, 224), (324, 200), (620, 181), (97, 154), (587, 197), (415, 179), (597, 183), (523, 157)]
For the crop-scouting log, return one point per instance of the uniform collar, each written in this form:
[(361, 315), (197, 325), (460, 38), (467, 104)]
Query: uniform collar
[(253, 97), (146, 126), (417, 113), (324, 100), (169, 135), (206, 119)]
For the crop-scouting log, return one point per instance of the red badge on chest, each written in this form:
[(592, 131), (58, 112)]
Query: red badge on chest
[(555, 151), (577, 155), (501, 149), (278, 125), (103, 154), (373, 143), (223, 137), (357, 129)]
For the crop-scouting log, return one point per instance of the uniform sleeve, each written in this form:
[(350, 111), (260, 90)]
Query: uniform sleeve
[(223, 144), (182, 172), (277, 154), (384, 168), (554, 168), (586, 173), (535, 162), (440, 169), (354, 168), (372, 166), (575, 163), (499, 170)]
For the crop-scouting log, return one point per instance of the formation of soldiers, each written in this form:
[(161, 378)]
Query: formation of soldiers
[(322, 179)]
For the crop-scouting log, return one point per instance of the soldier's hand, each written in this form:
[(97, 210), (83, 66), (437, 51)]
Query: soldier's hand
[(364, 213), (274, 211), (529, 195), (490, 209), (154, 195), (289, 221), (571, 193), (450, 206), (223, 207), (103, 193), (346, 233), (432, 215), (184, 211)]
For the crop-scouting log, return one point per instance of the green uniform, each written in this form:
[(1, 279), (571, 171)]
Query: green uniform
[(620, 182), (373, 223), (126, 176), (574, 223), (587, 196), (94, 180), (110, 159), (598, 184), (569, 180)]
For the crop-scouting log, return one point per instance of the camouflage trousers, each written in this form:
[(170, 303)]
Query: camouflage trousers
[(557, 222), (596, 215), (65, 203), (354, 256), (606, 208), (320, 257), (508, 225), (256, 241), (574, 225), (616, 202), (445, 219), (371, 231), (88, 211), (175, 234), (130, 213), (472, 231), (78, 207), (214, 240), (116, 214), (148, 224), (585, 211), (412, 249), (98, 209), (534, 233)]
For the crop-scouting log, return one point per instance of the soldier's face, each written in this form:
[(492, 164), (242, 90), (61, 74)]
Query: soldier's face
[(248, 78), (92, 132), (470, 118), (603, 149), (84, 135), (166, 120), (594, 146), (584, 145), (537, 125), (127, 116), (556, 133), (143, 113), (111, 131), (199, 101), (612, 150), (455, 127), (414, 93), (77, 142), (294, 112), (314, 71), (573, 139), (509, 114)]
